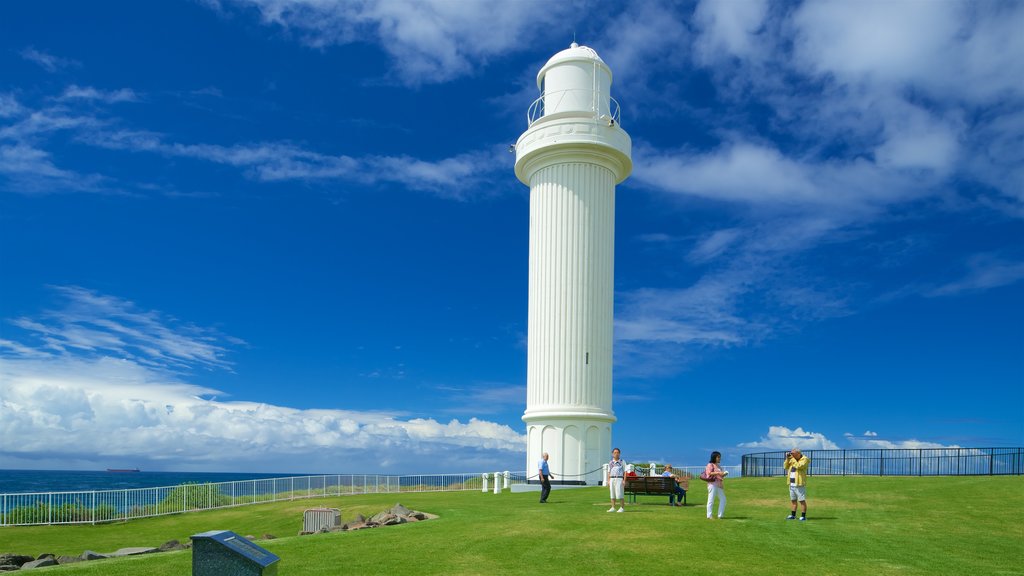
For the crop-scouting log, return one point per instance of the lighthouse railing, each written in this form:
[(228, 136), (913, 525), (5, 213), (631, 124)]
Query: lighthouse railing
[(556, 99)]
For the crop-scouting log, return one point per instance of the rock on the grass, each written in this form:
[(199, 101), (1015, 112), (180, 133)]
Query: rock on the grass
[(380, 517), (68, 559), (133, 551), (50, 561), (393, 516), (14, 560), (171, 545), (90, 555)]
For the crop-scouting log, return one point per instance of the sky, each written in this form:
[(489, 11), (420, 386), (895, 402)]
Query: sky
[(285, 235)]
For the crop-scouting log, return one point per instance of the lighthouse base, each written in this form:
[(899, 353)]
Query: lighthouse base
[(577, 448)]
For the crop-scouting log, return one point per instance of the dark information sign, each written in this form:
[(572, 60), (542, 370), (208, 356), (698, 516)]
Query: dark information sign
[(224, 553)]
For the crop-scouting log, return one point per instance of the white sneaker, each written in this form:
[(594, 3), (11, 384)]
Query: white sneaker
[(612, 509), (622, 509)]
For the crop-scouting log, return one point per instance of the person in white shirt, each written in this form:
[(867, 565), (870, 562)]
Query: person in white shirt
[(614, 479), (544, 473)]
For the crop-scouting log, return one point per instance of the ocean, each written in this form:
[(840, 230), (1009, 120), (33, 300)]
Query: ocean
[(23, 481)]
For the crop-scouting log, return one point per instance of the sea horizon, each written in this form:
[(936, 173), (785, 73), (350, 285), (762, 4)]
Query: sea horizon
[(23, 481)]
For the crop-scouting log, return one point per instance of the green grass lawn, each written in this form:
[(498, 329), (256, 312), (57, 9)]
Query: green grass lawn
[(906, 526)]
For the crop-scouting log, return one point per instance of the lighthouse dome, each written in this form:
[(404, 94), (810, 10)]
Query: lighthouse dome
[(575, 81), (574, 53)]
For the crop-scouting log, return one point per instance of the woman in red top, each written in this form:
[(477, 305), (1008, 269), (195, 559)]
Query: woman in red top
[(715, 487)]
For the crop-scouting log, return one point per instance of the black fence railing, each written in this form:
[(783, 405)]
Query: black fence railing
[(895, 462)]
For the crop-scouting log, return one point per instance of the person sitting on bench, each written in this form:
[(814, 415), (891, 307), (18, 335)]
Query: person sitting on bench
[(680, 494)]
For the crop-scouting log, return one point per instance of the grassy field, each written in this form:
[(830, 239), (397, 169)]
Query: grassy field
[(906, 526)]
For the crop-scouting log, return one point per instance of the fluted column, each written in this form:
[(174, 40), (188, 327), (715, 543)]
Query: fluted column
[(572, 231)]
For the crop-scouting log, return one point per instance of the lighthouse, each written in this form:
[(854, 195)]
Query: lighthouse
[(572, 155)]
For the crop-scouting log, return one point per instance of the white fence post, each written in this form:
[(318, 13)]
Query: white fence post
[(604, 470), (484, 478), (497, 483), (506, 478)]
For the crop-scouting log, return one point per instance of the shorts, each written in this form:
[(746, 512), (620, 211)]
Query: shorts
[(798, 493), (615, 487)]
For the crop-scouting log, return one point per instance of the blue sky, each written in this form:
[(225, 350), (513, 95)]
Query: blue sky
[(285, 235)]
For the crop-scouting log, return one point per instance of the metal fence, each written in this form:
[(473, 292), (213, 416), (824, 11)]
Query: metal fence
[(91, 507), (895, 462), (685, 471)]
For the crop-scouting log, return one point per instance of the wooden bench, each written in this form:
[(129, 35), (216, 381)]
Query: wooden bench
[(651, 486)]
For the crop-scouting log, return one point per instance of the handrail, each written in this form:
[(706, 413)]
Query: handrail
[(97, 506), (953, 461), (537, 109)]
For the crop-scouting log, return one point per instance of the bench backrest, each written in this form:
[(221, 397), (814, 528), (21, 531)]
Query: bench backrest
[(651, 483)]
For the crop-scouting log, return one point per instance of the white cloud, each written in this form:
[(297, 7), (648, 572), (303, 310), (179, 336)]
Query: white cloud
[(9, 106), (111, 410), (912, 93), (713, 245), (985, 271), (917, 139), (106, 325), (746, 297), (856, 112), (27, 167), (760, 176), (429, 41), (48, 62), (729, 28), (741, 172), (483, 397), (31, 169), (107, 385), (639, 45), (783, 438), (33, 124), (871, 440), (456, 177), (74, 92), (704, 313), (950, 49), (884, 42)]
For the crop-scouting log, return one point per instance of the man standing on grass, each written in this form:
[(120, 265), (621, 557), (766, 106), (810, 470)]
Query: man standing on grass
[(614, 479), (796, 471), (545, 478)]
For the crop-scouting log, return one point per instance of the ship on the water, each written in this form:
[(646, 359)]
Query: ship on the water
[(123, 470)]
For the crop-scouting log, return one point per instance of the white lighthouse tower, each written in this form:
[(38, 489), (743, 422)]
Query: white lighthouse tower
[(571, 156)]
